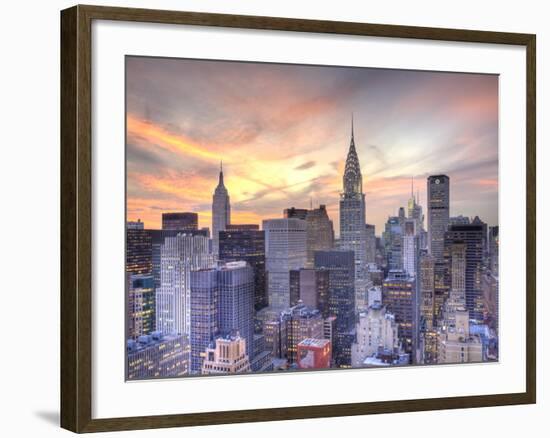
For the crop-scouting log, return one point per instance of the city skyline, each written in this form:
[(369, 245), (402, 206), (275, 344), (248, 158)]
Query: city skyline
[(299, 142), (255, 278)]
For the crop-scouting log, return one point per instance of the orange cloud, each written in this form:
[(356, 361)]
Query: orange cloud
[(157, 135)]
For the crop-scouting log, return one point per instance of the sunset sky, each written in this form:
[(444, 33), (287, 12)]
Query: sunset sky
[(283, 133)]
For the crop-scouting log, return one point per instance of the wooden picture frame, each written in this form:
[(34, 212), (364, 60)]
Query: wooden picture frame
[(76, 217)]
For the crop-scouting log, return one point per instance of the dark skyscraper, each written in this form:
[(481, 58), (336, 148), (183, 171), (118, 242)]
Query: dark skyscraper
[(296, 213), (138, 249), (247, 245), (311, 287), (399, 298), (222, 303), (141, 306), (180, 221), (438, 214), (472, 236), (341, 299)]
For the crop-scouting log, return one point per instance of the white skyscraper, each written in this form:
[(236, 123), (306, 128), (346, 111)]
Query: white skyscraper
[(353, 230), (221, 212), (179, 255), (376, 329), (285, 250), (410, 247)]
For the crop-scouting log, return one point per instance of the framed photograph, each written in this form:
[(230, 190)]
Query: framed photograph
[(269, 218)]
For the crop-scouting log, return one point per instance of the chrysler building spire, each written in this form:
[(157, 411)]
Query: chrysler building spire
[(353, 181)]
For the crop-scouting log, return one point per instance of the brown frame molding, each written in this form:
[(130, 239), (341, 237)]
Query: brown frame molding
[(76, 239)]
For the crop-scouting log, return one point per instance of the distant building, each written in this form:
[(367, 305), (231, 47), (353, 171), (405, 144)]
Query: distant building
[(261, 359), (301, 322), (375, 296), (472, 236), (227, 356), (493, 250), (353, 231), (399, 298), (138, 249), (319, 233), (371, 243), (457, 345), (285, 246), (314, 353), (242, 227), (341, 268), (410, 247), (157, 355), (438, 214), (459, 220), (157, 240), (376, 329), (427, 290), (295, 213), (384, 358), (310, 286), (221, 211), (185, 221), (393, 242), (141, 306), (179, 256), (248, 245)]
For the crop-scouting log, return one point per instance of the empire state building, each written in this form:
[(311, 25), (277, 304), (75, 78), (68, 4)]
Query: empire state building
[(353, 230), (221, 212)]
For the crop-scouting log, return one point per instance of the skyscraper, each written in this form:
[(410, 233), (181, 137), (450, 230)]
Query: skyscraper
[(295, 213), (319, 232), (371, 243), (438, 214), (301, 322), (410, 247), (157, 355), (247, 245), (141, 306), (376, 329), (285, 250), (138, 249), (228, 355), (221, 303), (399, 298), (221, 212), (393, 242), (341, 299), (472, 236), (180, 221), (179, 256), (311, 287), (236, 301), (353, 231), (426, 290)]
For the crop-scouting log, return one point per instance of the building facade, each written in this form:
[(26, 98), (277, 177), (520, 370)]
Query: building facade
[(179, 255), (376, 329), (247, 245), (228, 355), (319, 233), (221, 211), (157, 355), (438, 214), (182, 221), (285, 249), (353, 231), (341, 299)]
